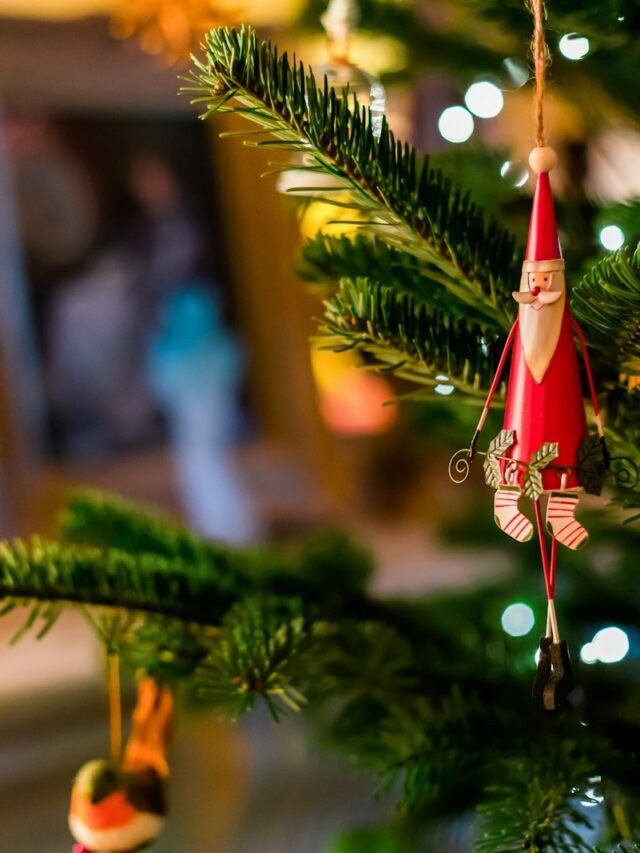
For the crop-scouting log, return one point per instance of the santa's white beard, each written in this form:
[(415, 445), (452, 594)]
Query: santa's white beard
[(540, 331)]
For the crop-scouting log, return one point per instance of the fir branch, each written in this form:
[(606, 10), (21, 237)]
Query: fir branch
[(255, 655), (407, 204), (109, 521), (536, 806), (326, 260), (607, 304), (48, 573), (411, 339)]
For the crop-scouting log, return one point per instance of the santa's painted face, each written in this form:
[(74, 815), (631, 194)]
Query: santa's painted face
[(542, 285)]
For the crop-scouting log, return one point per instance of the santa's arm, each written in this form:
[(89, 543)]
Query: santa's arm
[(493, 389), (592, 390)]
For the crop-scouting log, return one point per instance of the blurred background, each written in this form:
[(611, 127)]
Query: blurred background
[(154, 340)]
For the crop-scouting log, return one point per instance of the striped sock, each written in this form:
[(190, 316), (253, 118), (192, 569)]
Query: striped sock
[(561, 521), (508, 516)]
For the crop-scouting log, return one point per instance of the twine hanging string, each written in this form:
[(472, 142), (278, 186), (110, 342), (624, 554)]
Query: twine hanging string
[(541, 60), (115, 706)]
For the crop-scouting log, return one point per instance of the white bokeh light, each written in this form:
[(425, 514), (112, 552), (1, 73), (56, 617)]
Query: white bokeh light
[(443, 387), (518, 619), (484, 99), (611, 644), (515, 173), (573, 46), (456, 124), (612, 237), (588, 653), (515, 72)]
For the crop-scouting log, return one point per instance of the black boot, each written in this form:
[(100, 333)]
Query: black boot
[(544, 669), (560, 683)]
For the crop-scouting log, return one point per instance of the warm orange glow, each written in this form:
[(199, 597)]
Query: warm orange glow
[(631, 381), (170, 28), (256, 11), (174, 29), (352, 401), (55, 9)]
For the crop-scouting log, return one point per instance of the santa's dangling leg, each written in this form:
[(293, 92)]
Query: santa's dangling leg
[(561, 519), (554, 675)]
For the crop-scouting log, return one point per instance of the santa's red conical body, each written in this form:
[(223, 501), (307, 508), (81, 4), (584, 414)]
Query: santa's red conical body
[(548, 411)]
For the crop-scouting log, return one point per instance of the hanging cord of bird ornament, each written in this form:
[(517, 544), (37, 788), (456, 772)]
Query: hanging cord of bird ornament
[(115, 705)]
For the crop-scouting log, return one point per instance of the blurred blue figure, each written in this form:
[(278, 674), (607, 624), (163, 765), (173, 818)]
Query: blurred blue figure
[(195, 366)]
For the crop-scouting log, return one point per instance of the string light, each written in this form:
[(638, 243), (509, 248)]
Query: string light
[(516, 72), (611, 644), (518, 619), (588, 653), (592, 798), (484, 99), (456, 124), (574, 47), (515, 173), (444, 390), (612, 237)]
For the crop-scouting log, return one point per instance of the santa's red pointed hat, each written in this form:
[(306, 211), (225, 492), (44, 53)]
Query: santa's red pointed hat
[(543, 243)]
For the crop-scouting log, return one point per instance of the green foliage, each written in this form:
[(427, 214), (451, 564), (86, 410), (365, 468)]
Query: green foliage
[(396, 195), (51, 574), (253, 656), (536, 807), (434, 712), (431, 694), (408, 337), (371, 840), (107, 521), (327, 260), (607, 304), (200, 590)]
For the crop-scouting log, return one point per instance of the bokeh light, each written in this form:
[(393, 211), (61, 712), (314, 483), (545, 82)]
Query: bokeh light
[(515, 72), (515, 173), (518, 619), (572, 46), (588, 653), (484, 99), (444, 387), (611, 644), (456, 124), (612, 237)]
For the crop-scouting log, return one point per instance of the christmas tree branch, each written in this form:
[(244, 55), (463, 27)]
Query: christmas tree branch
[(49, 573), (409, 338), (389, 679), (325, 260), (157, 568), (108, 521), (607, 304), (537, 805), (395, 195)]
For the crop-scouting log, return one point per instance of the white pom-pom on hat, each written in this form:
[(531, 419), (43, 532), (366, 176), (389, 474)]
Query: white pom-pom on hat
[(542, 159)]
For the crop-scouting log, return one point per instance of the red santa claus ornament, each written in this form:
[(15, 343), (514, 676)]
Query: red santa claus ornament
[(544, 450), (544, 436)]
